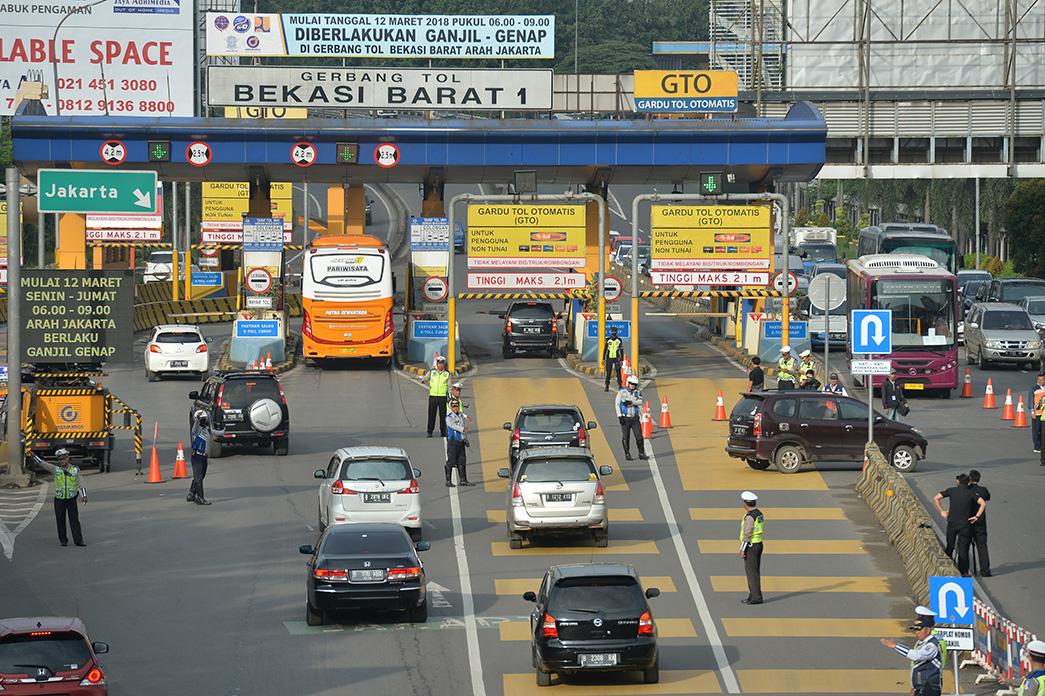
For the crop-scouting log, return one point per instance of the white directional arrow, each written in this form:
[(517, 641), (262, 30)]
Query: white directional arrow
[(142, 200), (438, 598), (878, 335), (959, 604)]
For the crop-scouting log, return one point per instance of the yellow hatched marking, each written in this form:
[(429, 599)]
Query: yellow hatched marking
[(516, 586), (666, 628), (497, 399), (830, 681), (702, 681), (757, 627), (804, 583), (787, 514), (787, 546), (616, 515), (699, 443), (500, 548)]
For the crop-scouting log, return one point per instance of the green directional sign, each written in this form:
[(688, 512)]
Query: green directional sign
[(96, 191)]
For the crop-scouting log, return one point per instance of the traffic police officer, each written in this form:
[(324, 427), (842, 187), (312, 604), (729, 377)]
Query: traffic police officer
[(1037, 401), (787, 369), (807, 363), (1034, 682), (455, 394), (926, 662), (612, 354), (67, 490), (200, 442), (438, 389), (456, 442), (927, 614), (629, 406), (752, 528)]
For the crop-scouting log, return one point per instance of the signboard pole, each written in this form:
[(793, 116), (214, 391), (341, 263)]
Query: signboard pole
[(600, 360), (174, 241), (15, 455), (827, 334)]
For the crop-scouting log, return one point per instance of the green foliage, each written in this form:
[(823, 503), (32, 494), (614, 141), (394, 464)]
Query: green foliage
[(609, 58), (5, 143), (802, 217), (1024, 218)]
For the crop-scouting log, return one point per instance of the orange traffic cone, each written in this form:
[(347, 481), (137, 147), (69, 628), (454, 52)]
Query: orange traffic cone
[(665, 417), (180, 471), (646, 422), (1021, 414), (1006, 412), (625, 370), (720, 408), (988, 395), (967, 386), (268, 361), (154, 468)]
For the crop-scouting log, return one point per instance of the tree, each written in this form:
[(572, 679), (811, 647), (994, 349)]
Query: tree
[(609, 58), (1024, 218)]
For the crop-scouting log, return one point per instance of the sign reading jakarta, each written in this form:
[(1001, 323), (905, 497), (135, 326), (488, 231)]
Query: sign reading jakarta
[(504, 37), (380, 88), (711, 237), (548, 236), (116, 57)]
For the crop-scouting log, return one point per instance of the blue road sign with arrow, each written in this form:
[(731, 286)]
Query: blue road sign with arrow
[(872, 331), (952, 599)]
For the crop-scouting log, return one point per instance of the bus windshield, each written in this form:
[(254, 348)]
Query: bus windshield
[(923, 312), (342, 270), (943, 252)]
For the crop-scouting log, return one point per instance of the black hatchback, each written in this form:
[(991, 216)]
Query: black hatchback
[(371, 566), (593, 617), (547, 425), (244, 408), (529, 327)]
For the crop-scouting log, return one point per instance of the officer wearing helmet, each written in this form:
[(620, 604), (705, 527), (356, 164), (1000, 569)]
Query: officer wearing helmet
[(67, 490), (1033, 681), (629, 407), (200, 442)]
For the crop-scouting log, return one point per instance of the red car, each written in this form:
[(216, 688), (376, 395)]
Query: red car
[(49, 655)]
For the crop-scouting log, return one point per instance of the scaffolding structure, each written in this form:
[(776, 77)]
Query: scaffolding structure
[(747, 37)]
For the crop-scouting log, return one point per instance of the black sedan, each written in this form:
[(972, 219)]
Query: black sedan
[(547, 425), (365, 566), (593, 617)]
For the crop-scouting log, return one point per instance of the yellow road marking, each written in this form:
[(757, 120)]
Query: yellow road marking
[(775, 514), (829, 681), (687, 681), (629, 546), (803, 583), (498, 398), (616, 515), (787, 546), (757, 627), (666, 628), (699, 443), (516, 586)]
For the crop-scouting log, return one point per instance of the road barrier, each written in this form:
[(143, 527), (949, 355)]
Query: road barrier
[(204, 310), (998, 647)]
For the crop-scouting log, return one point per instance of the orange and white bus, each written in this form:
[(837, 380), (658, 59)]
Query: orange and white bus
[(346, 296)]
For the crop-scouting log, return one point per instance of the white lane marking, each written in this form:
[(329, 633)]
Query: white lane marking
[(471, 631), (619, 212), (725, 355), (10, 528), (438, 593), (724, 670)]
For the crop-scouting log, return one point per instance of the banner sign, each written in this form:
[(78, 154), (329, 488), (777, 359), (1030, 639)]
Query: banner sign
[(119, 58), (681, 91), (526, 281), (233, 236), (429, 329), (380, 88), (709, 278), (122, 235), (502, 37), (429, 234), (257, 328), (545, 236), (711, 237), (225, 203), (77, 316)]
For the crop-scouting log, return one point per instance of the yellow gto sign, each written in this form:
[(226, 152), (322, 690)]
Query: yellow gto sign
[(241, 189), (548, 236), (678, 91), (711, 237)]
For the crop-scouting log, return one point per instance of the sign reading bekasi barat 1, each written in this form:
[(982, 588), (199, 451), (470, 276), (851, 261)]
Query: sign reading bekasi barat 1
[(681, 91), (711, 238), (546, 236), (380, 88), (503, 37), (77, 316)]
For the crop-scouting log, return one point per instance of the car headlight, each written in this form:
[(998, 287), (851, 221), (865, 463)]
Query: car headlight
[(1034, 345), (993, 344)]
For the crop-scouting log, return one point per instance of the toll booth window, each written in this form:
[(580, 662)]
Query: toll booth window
[(241, 390)]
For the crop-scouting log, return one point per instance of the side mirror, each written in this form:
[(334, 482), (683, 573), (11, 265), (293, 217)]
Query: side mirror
[(507, 425), (530, 596), (319, 474), (417, 472), (423, 546), (194, 395), (605, 470), (99, 647), (652, 592), (879, 419), (592, 425), (504, 473), (306, 549)]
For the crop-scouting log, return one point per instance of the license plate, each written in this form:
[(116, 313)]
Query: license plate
[(739, 430), (915, 386), (179, 363), (367, 575), (377, 497), (598, 659), (233, 415), (558, 497), (531, 329)]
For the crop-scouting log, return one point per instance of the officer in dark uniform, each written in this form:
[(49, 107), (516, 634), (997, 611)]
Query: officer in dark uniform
[(612, 354), (200, 443), (926, 662)]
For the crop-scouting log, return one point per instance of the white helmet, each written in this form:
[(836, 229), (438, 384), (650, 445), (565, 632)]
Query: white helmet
[(633, 380)]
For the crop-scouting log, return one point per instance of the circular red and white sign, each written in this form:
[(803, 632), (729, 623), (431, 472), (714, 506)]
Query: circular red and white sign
[(303, 154), (209, 251), (198, 154), (258, 280), (612, 288), (386, 155), (435, 289), (113, 152), (778, 282)]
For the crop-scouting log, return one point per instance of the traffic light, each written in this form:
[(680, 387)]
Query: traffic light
[(711, 183), (347, 153), (159, 151)]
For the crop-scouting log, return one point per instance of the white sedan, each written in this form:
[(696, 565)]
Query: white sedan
[(176, 349)]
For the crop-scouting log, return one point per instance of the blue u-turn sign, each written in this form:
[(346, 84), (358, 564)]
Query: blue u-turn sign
[(952, 599), (872, 331)]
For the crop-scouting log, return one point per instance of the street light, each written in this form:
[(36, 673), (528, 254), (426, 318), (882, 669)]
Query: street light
[(54, 42)]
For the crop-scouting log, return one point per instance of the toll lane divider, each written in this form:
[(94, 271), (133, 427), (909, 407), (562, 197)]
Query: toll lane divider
[(204, 310)]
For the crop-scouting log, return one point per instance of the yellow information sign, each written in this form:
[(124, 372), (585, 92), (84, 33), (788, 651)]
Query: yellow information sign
[(241, 189), (265, 112), (226, 202), (3, 230), (546, 236), (677, 91), (711, 237)]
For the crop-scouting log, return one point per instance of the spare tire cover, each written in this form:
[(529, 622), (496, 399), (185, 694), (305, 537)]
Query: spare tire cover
[(265, 415)]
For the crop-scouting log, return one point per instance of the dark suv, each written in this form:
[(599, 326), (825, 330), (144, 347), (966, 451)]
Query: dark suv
[(1010, 289), (790, 428), (550, 425), (245, 408), (529, 326), (593, 617)]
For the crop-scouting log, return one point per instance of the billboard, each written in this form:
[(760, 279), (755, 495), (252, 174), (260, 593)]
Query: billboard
[(117, 57), (546, 236), (711, 237), (502, 37)]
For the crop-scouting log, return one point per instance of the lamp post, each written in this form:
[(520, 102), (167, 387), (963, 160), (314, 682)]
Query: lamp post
[(54, 42)]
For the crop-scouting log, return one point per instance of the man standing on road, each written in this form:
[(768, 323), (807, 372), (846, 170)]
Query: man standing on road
[(455, 395), (756, 379), (926, 664), (612, 354), (979, 528), (786, 369), (200, 441), (893, 399), (67, 490), (752, 527), (1037, 402), (960, 518), (834, 386), (456, 442), (438, 388), (629, 406)]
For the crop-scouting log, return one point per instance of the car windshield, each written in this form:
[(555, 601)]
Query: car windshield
[(243, 391), (178, 337), (58, 652), (565, 469), (818, 252), (549, 422), (1014, 292), (1036, 306), (531, 311), (603, 594), (747, 406), (1006, 320), (160, 257), (971, 287), (923, 313), (382, 469), (837, 270), (347, 542)]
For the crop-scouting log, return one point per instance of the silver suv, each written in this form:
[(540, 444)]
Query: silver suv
[(1001, 332)]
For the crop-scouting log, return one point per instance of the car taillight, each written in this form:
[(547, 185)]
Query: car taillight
[(400, 574), (388, 323), (414, 487), (201, 348), (93, 678), (646, 624), (555, 326), (306, 324), (582, 437), (338, 488), (758, 425), (335, 575), (517, 499), (153, 348), (516, 439), (548, 627), (600, 494)]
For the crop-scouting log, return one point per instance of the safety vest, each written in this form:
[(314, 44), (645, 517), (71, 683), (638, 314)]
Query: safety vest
[(1035, 676), (1039, 400), (66, 483), (786, 368), (613, 346), (807, 365), (943, 648), (438, 383), (759, 527)]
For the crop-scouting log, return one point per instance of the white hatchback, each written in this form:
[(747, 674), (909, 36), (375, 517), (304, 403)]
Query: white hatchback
[(370, 484), (176, 349)]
